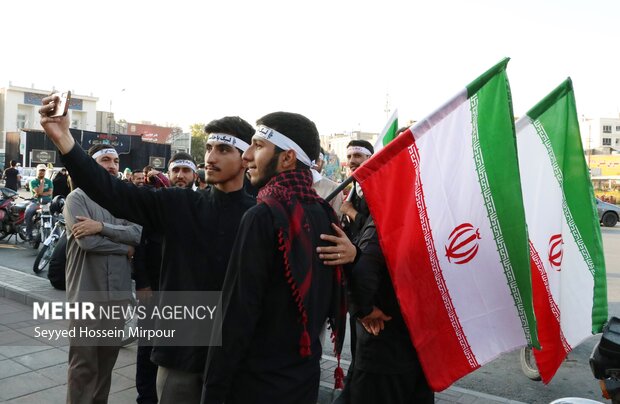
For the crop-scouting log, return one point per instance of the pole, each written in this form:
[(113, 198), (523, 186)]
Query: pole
[(339, 188)]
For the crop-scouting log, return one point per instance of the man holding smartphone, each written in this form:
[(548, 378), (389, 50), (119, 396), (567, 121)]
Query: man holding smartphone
[(198, 228)]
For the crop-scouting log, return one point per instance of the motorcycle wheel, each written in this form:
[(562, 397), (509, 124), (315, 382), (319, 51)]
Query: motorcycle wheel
[(528, 364), (44, 257), (21, 232), (3, 234), (36, 234)]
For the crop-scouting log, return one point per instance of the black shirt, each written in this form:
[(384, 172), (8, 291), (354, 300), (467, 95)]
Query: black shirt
[(198, 231), (10, 176), (61, 186), (259, 360), (390, 352)]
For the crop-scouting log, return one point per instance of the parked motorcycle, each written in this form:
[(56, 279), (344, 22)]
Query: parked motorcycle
[(12, 215), (43, 222), (51, 241)]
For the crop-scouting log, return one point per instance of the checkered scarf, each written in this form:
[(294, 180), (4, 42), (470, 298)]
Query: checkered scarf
[(284, 194)]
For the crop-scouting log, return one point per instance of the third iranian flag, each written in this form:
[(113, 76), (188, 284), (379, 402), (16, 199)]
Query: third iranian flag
[(568, 267)]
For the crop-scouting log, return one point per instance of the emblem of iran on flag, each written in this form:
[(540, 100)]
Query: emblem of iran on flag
[(446, 198)]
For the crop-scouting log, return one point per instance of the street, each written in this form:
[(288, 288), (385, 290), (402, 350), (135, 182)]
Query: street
[(502, 377)]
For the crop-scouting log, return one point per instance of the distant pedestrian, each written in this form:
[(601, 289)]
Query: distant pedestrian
[(11, 176)]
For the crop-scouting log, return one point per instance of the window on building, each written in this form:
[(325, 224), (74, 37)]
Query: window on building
[(75, 123), (606, 141), (21, 121), (606, 128), (617, 128)]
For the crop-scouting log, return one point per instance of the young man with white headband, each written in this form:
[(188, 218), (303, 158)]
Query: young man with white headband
[(182, 170), (278, 294), (355, 216), (355, 208), (198, 230), (99, 252)]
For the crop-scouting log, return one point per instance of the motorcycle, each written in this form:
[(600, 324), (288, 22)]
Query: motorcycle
[(50, 213), (43, 222), (12, 215)]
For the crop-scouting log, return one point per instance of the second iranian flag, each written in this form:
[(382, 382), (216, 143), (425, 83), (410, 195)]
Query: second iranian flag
[(446, 199)]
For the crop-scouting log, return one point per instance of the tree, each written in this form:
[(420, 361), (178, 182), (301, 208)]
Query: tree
[(199, 140)]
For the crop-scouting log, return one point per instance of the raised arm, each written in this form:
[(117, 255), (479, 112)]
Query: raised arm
[(123, 200)]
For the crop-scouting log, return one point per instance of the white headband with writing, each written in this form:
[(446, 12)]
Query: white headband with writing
[(182, 163), (283, 143), (223, 138), (105, 151), (358, 149)]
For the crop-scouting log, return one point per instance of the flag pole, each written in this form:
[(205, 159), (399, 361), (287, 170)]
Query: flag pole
[(339, 189)]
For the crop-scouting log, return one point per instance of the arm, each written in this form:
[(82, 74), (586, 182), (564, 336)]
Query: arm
[(123, 200), (244, 288), (75, 205), (161, 180), (128, 233)]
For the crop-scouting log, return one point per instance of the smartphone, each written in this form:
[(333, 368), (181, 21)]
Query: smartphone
[(62, 106)]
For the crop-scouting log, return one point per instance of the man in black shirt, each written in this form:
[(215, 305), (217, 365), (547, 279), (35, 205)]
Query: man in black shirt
[(198, 228), (278, 293), (387, 369), (12, 177)]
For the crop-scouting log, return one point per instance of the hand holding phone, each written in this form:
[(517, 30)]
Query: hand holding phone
[(62, 105)]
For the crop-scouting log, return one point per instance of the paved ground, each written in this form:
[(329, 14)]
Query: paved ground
[(32, 371)]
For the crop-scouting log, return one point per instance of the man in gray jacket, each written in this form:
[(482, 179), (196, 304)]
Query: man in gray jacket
[(99, 252)]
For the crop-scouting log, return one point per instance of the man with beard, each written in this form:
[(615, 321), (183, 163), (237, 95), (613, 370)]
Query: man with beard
[(355, 215), (278, 294), (98, 269), (198, 228), (355, 208), (182, 170), (138, 178)]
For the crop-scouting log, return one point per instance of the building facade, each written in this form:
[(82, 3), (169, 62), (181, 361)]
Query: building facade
[(19, 108)]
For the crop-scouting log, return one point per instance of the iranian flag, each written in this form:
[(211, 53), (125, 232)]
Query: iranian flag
[(388, 133), (446, 199), (568, 267)]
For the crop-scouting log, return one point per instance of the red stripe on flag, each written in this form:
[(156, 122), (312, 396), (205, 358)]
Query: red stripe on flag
[(389, 184), (552, 341)]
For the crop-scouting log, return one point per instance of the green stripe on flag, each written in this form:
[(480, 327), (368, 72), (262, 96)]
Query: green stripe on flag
[(558, 115), (390, 134), (496, 159)]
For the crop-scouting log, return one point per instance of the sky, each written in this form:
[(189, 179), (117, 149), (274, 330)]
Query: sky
[(337, 62)]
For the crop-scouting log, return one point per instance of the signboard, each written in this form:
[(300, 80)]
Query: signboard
[(150, 137), (157, 162), (121, 143), (43, 156)]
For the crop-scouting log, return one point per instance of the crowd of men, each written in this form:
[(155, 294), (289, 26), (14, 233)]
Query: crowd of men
[(253, 224)]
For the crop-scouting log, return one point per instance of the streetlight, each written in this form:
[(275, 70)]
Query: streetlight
[(110, 114)]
